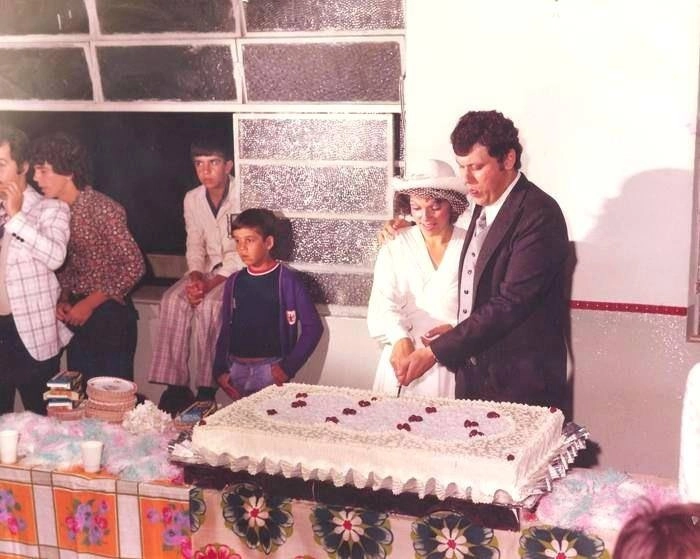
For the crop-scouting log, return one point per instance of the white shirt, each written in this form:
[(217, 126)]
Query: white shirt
[(491, 211), (208, 240)]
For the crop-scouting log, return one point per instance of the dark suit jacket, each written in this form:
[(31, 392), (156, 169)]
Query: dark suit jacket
[(512, 347)]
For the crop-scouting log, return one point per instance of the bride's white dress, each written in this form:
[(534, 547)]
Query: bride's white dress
[(409, 297)]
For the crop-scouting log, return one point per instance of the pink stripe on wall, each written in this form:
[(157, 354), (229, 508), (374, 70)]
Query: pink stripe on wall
[(628, 307)]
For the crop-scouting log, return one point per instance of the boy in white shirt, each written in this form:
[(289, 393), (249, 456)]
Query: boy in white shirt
[(192, 305)]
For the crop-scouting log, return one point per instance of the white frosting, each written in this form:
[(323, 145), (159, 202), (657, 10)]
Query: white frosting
[(371, 440)]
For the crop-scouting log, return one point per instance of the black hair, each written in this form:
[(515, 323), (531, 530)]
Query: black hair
[(261, 219), (65, 154), (210, 146)]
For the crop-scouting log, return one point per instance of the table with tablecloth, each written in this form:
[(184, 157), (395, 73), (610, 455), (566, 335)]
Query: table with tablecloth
[(55, 513), (136, 506), (580, 518), (50, 508)]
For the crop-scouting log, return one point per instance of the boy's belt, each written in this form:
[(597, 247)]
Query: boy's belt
[(249, 359)]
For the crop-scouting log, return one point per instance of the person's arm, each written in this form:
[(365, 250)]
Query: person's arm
[(114, 244), (220, 365), (386, 319), (230, 262), (311, 327), (47, 239), (78, 314), (225, 383), (199, 286), (539, 248), (63, 306), (212, 282), (195, 245), (391, 229)]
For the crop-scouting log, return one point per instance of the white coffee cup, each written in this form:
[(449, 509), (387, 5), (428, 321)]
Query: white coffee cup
[(8, 446), (92, 455)]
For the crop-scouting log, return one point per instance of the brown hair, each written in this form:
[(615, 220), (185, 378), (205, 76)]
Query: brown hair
[(65, 154), (671, 532), (492, 130), (402, 203)]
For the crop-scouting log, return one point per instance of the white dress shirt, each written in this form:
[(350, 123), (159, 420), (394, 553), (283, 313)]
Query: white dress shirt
[(208, 240)]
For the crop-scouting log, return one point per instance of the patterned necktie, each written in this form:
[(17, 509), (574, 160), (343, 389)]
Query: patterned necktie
[(480, 230)]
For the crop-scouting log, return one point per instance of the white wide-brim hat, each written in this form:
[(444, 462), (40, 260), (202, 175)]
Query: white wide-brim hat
[(432, 178), (432, 174)]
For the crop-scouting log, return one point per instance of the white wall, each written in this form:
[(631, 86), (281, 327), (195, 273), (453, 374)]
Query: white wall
[(605, 94)]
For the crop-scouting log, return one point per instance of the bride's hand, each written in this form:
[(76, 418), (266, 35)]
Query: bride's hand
[(401, 350), (433, 333)]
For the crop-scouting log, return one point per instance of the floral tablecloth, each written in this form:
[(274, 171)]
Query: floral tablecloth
[(69, 514), (50, 508), (243, 521)]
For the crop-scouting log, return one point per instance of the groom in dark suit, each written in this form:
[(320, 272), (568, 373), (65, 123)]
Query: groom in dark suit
[(509, 344)]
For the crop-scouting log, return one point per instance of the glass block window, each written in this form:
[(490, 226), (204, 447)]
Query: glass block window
[(327, 138), (363, 72), (335, 241), (167, 72), (338, 188), (44, 73), (323, 15), (311, 164), (43, 17), (339, 289), (155, 16)]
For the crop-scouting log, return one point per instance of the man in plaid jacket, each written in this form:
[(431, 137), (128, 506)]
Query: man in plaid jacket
[(34, 234)]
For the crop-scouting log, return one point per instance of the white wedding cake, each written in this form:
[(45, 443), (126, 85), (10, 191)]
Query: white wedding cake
[(450, 448)]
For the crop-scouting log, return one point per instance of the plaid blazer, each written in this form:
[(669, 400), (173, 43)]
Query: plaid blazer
[(40, 233)]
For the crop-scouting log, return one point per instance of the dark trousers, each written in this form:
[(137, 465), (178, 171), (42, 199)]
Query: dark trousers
[(20, 371), (106, 343)]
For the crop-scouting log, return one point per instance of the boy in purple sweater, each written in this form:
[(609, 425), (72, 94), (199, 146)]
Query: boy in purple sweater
[(263, 305)]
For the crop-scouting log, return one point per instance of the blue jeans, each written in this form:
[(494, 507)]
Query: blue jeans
[(248, 378)]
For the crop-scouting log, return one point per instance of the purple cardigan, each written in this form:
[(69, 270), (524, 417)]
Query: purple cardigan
[(296, 307)]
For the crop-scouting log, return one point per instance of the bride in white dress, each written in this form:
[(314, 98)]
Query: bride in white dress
[(414, 292)]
